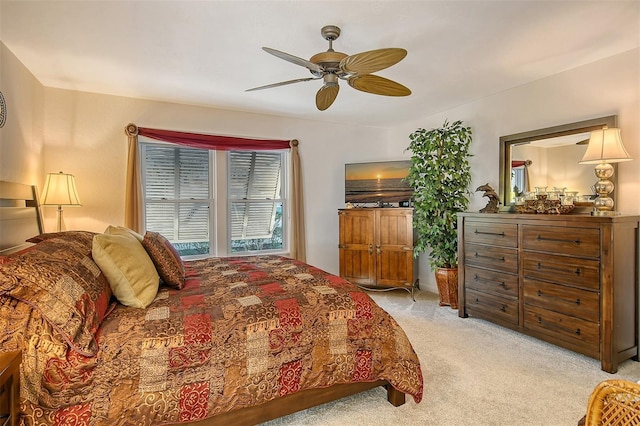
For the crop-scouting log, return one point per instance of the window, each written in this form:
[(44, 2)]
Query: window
[(518, 180), (248, 216), (255, 200), (176, 190)]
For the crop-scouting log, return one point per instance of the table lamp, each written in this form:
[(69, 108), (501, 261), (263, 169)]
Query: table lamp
[(605, 147), (60, 190)]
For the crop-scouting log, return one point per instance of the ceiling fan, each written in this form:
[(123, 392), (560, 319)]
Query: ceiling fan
[(357, 70)]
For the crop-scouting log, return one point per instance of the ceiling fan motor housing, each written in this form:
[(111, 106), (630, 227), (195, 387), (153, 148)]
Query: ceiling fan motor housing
[(329, 60)]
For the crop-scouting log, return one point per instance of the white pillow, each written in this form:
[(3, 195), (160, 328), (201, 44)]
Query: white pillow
[(132, 276)]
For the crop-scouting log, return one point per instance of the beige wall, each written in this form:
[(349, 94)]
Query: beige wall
[(84, 135), (607, 87), (21, 138)]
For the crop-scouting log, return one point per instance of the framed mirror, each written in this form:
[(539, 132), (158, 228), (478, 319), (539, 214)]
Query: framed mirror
[(549, 157)]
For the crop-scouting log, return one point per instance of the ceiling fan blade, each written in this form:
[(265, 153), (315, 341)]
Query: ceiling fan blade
[(372, 60), (294, 59), (326, 95), (282, 83), (378, 85)]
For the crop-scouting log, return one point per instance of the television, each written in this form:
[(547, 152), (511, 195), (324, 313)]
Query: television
[(379, 182)]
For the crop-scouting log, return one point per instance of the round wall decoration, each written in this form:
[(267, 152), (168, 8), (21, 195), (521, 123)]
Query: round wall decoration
[(3, 110)]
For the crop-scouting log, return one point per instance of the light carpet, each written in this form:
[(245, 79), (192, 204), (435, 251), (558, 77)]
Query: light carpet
[(475, 373)]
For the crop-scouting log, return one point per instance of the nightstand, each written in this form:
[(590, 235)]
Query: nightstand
[(10, 387)]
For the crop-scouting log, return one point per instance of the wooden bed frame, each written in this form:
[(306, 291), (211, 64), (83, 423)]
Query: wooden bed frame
[(297, 402), (20, 218)]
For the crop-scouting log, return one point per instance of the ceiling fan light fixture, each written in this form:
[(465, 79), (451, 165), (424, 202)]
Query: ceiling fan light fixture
[(330, 79)]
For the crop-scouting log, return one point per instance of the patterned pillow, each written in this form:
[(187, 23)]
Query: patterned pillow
[(58, 278), (166, 259), (85, 237)]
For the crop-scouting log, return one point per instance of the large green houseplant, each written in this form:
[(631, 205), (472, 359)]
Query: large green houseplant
[(440, 175)]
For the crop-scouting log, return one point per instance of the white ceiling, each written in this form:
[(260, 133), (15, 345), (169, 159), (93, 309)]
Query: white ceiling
[(209, 52)]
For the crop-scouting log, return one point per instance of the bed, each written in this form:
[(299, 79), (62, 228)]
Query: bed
[(242, 340)]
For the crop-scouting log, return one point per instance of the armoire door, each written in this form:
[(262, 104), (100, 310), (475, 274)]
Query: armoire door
[(394, 247), (356, 245)]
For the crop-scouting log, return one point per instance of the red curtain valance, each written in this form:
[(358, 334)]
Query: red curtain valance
[(517, 163), (213, 142)]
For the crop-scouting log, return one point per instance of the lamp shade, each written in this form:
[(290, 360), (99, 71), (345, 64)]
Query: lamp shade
[(60, 190), (605, 145)]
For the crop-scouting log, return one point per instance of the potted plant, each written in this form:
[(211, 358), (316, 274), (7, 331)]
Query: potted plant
[(440, 175)]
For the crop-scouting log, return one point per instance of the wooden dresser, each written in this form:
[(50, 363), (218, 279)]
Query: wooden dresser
[(376, 247), (571, 280)]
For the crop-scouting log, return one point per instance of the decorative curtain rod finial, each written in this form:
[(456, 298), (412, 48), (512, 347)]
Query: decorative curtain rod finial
[(131, 130)]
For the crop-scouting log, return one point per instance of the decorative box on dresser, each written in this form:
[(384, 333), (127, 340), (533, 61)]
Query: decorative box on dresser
[(376, 247), (571, 280)]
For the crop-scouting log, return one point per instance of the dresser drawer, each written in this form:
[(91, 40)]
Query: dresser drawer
[(488, 281), (576, 331), (493, 308), (567, 300), (554, 239), (497, 234), (491, 257), (576, 272)]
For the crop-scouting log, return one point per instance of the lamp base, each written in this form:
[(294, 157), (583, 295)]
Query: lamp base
[(60, 219), (603, 205)]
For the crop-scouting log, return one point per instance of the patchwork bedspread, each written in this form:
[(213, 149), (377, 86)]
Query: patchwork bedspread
[(243, 331)]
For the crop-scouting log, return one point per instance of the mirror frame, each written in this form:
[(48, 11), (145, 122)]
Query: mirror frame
[(506, 142)]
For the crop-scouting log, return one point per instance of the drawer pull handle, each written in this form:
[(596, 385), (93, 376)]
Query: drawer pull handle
[(478, 255), (562, 299), (559, 240), (498, 234), (503, 308), (502, 284), (577, 331), (551, 268)]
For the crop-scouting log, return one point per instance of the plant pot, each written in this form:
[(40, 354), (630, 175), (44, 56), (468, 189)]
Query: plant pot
[(447, 280)]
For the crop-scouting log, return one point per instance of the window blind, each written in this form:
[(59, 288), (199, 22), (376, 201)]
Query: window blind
[(176, 184), (254, 191)]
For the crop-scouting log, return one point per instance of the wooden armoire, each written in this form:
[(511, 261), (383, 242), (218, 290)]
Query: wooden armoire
[(376, 247)]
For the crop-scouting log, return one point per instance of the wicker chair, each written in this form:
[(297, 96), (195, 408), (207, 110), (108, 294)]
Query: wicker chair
[(614, 402)]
